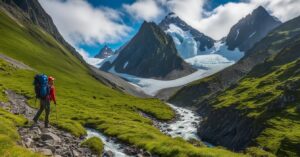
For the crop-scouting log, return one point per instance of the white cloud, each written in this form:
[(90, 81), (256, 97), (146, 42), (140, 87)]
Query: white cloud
[(144, 10), (215, 23), (189, 10), (81, 23), (222, 18), (282, 9)]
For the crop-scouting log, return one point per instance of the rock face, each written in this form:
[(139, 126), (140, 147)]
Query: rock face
[(189, 41), (251, 29), (105, 52), (32, 12), (150, 54)]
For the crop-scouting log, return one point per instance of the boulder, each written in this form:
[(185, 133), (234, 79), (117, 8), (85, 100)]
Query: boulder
[(108, 154), (50, 136), (46, 152)]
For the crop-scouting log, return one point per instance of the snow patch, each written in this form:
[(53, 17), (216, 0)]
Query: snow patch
[(125, 65), (93, 61), (109, 59), (252, 34), (152, 86), (237, 34), (185, 43)]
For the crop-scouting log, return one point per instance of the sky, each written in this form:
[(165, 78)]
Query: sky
[(88, 25)]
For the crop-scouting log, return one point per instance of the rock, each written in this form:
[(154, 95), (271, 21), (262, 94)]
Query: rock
[(28, 142), (179, 133), (75, 153), (147, 154), (50, 136), (181, 127), (130, 151), (46, 152), (169, 129), (108, 154)]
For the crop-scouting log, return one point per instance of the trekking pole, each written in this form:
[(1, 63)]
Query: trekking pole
[(56, 113)]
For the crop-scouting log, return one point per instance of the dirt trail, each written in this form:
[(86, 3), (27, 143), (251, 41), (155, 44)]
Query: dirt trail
[(48, 141)]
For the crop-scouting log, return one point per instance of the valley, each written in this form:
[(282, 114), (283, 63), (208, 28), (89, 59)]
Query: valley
[(170, 91)]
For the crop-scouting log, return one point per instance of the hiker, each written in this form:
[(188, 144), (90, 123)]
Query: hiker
[(45, 91)]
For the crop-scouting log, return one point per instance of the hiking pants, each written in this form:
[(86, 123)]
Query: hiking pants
[(44, 104)]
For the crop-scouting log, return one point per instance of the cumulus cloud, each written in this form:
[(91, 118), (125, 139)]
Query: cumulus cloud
[(219, 21), (144, 10), (282, 9), (81, 23), (215, 23)]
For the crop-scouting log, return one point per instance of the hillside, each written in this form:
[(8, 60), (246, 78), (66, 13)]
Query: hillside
[(262, 109), (82, 100), (200, 90)]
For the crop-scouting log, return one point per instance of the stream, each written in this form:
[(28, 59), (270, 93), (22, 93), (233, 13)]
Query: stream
[(184, 126), (109, 145)]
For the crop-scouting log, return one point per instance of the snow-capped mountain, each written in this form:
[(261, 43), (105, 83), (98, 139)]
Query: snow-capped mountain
[(251, 29), (150, 54), (105, 52), (189, 41)]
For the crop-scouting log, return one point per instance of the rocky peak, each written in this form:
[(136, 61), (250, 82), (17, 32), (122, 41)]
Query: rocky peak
[(150, 54), (251, 29), (201, 41), (105, 52)]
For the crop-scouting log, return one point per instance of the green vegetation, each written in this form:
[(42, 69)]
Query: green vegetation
[(270, 95), (82, 100), (95, 144), (9, 136)]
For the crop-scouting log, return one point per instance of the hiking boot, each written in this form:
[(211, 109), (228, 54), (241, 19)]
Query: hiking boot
[(47, 126)]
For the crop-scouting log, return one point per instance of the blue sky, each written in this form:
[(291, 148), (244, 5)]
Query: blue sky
[(117, 4), (89, 25)]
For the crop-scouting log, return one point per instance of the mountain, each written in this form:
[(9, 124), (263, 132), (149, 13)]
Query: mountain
[(32, 11), (251, 29), (105, 52), (150, 54), (26, 49), (189, 41), (254, 102), (225, 78)]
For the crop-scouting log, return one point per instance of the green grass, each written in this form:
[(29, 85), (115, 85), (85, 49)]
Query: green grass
[(9, 136), (111, 112), (95, 144), (254, 96)]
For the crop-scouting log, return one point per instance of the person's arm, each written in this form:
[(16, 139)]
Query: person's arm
[(52, 94)]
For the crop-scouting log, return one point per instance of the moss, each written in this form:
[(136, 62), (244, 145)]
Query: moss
[(257, 152), (95, 144)]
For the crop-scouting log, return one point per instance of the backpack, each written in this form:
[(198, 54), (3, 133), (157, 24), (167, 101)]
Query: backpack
[(41, 86)]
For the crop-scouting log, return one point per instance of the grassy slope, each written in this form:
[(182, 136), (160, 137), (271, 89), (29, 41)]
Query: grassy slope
[(82, 101), (257, 92), (9, 135)]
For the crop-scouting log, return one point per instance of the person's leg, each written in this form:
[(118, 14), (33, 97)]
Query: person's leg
[(47, 111), (37, 115)]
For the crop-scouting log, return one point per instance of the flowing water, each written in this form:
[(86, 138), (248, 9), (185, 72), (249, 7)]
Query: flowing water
[(185, 125), (109, 145)]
